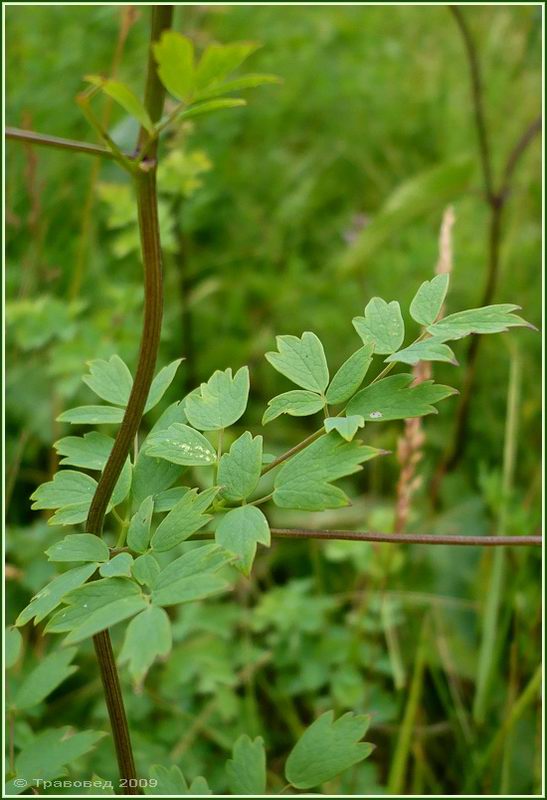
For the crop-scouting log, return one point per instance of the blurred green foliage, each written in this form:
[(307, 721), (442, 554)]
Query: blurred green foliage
[(286, 216)]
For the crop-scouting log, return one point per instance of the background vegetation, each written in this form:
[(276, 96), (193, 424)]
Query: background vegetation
[(285, 216)]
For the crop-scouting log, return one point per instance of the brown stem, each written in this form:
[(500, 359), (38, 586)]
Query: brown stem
[(398, 538), (43, 139), (478, 100), (408, 538), (145, 183)]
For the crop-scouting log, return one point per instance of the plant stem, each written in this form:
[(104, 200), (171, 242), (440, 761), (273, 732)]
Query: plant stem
[(31, 137), (405, 538), (145, 185)]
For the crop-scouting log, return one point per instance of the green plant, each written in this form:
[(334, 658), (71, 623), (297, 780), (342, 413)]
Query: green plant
[(133, 583)]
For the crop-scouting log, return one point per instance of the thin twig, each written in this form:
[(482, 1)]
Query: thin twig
[(394, 538), (44, 140)]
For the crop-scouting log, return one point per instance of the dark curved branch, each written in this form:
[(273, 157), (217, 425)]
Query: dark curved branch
[(478, 100), (145, 183), (516, 154)]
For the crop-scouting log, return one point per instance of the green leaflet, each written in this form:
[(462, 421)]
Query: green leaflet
[(168, 499), (138, 534), (394, 398), (153, 475), (171, 781), (182, 445), (161, 383), (347, 427), (145, 569), (239, 532), (119, 566), (220, 402), (51, 595), (13, 645), (239, 469), (298, 403), (382, 324), (428, 350), (123, 95), (68, 487), (45, 678), (71, 493), (49, 751), (327, 748), (79, 547), (174, 54), (305, 481), (211, 105), (92, 415), (350, 376), (246, 770), (89, 451), (489, 319), (191, 577), (148, 637), (302, 360), (428, 300), (219, 60), (110, 380), (187, 517), (248, 81), (94, 604), (106, 617)]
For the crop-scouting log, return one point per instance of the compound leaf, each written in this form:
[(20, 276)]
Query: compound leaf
[(298, 403), (239, 469), (148, 637), (382, 324), (211, 105), (239, 532), (305, 481), (106, 616), (302, 360), (246, 770), (220, 402), (428, 300), (327, 748), (79, 547), (187, 517), (394, 398), (350, 376)]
